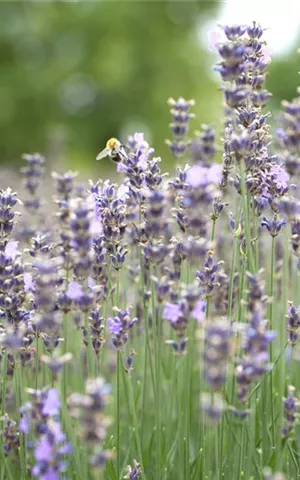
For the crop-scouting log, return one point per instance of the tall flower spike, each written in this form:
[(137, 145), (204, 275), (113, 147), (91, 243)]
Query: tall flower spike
[(207, 277), (32, 175), (10, 435), (216, 351), (88, 409), (203, 147), (255, 361), (51, 448), (288, 134), (293, 324), (190, 305), (243, 69), (290, 409), (181, 116), (81, 240), (8, 200)]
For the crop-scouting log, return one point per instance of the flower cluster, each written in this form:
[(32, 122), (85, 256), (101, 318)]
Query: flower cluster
[(181, 116), (119, 327), (293, 324), (216, 351), (188, 305), (88, 409), (288, 135), (290, 408), (51, 448), (32, 172), (256, 341)]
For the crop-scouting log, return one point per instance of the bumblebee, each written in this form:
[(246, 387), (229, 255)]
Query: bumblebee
[(114, 150)]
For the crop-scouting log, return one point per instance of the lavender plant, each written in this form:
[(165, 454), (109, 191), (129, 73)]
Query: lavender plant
[(198, 378)]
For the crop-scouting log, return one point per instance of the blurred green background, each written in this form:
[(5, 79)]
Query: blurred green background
[(75, 74)]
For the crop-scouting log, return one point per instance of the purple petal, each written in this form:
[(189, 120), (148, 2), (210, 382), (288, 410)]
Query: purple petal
[(52, 404), (24, 425), (28, 282), (199, 311), (91, 282), (74, 291), (199, 176), (43, 451), (172, 312), (51, 475), (96, 226), (11, 249)]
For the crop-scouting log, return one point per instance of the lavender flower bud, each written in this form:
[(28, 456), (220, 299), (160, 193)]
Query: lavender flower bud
[(88, 409), (216, 351), (180, 125), (293, 324), (10, 435), (290, 408), (273, 226), (133, 473), (119, 326)]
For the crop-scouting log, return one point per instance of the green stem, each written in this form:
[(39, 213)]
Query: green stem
[(65, 369), (118, 413), (37, 361), (251, 266), (3, 407), (4, 378), (271, 346), (157, 352), (89, 352), (213, 229), (212, 237), (128, 384), (18, 392), (147, 356)]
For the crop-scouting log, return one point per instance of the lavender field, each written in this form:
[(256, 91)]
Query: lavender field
[(149, 322)]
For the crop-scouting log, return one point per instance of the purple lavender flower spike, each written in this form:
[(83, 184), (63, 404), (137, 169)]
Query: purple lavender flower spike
[(216, 351), (181, 116), (32, 174), (50, 445), (199, 311), (288, 135), (64, 184), (188, 305), (8, 200), (119, 327), (133, 473), (290, 408), (88, 409), (293, 324), (207, 278), (273, 226), (203, 147), (233, 32), (55, 364), (213, 407), (256, 360), (10, 435)]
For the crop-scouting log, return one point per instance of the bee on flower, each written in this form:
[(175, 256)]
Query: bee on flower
[(115, 150)]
